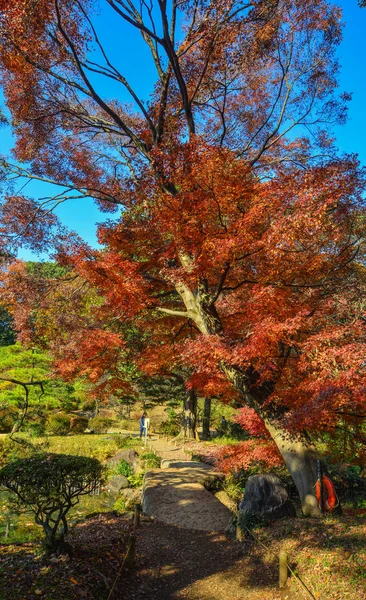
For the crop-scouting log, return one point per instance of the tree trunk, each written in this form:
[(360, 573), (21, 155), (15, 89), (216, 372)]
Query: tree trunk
[(299, 455), (96, 407), (189, 428), (301, 462), (206, 419)]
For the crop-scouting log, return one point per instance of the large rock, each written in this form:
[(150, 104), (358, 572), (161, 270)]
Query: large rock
[(265, 499), (129, 455), (116, 484)]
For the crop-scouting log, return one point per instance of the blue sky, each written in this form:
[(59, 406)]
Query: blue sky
[(82, 216), (351, 138)]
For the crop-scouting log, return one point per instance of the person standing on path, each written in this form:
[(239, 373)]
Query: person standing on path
[(147, 425), (143, 425)]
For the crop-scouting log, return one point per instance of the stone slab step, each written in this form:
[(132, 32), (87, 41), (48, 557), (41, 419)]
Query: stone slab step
[(177, 496)]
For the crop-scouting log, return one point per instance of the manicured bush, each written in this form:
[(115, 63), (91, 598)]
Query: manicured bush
[(49, 485), (35, 428), (78, 424), (129, 424), (11, 450), (59, 423), (100, 424), (7, 419)]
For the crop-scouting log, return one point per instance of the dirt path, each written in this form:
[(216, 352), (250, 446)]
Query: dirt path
[(167, 449), (175, 563), (171, 564)]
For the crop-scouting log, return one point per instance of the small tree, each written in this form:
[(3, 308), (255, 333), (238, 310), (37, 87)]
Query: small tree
[(50, 485)]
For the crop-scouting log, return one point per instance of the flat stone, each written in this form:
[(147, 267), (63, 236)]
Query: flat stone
[(196, 471), (178, 497)]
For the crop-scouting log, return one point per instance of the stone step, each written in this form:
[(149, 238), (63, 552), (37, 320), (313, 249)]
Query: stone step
[(176, 495)]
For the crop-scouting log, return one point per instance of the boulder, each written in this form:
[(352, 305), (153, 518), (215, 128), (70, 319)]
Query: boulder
[(265, 499), (128, 493), (116, 484), (132, 499), (129, 455)]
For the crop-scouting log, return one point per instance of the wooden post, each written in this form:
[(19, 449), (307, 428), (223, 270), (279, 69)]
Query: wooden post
[(239, 533), (131, 550), (136, 521), (283, 569)]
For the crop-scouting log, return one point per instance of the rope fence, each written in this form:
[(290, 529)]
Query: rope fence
[(282, 561), (130, 552)]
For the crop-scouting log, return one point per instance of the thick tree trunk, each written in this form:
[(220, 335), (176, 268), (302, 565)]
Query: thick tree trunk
[(297, 454), (206, 419), (301, 462)]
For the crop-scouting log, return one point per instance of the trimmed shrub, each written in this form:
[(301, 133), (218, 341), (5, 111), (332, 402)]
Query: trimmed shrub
[(100, 424), (49, 485), (59, 423), (35, 429), (88, 405), (78, 424), (129, 425), (7, 419), (11, 450)]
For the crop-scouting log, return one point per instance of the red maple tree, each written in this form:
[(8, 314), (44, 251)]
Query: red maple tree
[(239, 250)]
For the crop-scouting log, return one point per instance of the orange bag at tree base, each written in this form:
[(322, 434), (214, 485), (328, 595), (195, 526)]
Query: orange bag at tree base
[(330, 500)]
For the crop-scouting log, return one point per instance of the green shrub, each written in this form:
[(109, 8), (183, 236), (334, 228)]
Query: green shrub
[(232, 430), (50, 485), (100, 424), (151, 460), (234, 489), (88, 405), (346, 475), (172, 425), (78, 424), (35, 429), (69, 405), (120, 505), (11, 450), (129, 424), (59, 423), (136, 479), (169, 428), (7, 419), (123, 468)]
